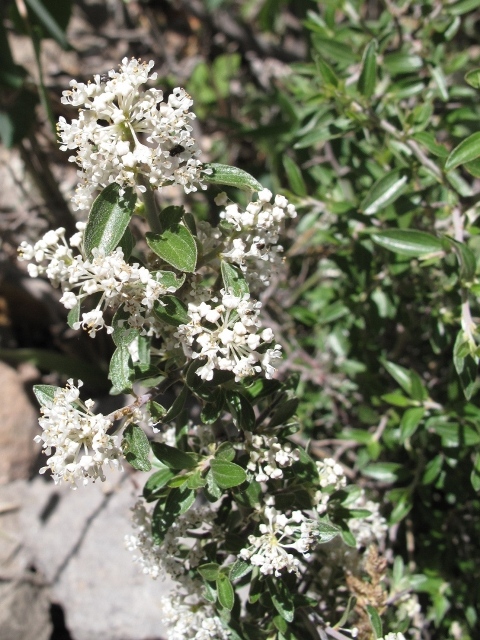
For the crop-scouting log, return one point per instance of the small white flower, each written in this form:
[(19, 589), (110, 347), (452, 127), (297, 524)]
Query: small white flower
[(229, 336), (187, 617), (270, 550), (268, 456), (257, 251), (82, 445), (138, 130)]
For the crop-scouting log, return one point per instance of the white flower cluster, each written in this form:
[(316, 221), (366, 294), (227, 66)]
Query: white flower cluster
[(186, 618), (123, 133), (256, 249), (229, 336), (159, 559), (393, 636), (268, 457), (269, 551), (371, 529), (82, 445), (116, 281), (331, 478)]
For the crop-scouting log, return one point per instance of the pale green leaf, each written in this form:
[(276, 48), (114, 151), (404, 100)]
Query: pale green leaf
[(136, 447), (408, 242), (466, 151), (230, 176), (384, 192), (108, 219), (176, 246)]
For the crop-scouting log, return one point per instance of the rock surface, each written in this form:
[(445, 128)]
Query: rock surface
[(18, 426), (75, 541)]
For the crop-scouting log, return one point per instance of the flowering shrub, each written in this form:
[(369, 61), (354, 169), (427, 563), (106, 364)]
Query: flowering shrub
[(262, 539)]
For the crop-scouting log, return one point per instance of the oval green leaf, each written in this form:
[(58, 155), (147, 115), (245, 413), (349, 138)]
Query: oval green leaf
[(473, 78), (231, 176), (466, 151), (226, 594), (108, 219), (136, 447), (173, 457), (408, 242), (233, 280), (45, 394), (294, 175), (384, 192), (176, 246), (227, 474)]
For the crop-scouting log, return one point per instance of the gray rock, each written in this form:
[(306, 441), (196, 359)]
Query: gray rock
[(76, 541)]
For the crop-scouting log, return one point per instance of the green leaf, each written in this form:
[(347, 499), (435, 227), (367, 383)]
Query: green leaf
[(209, 571), (157, 411), (409, 380), (213, 491), (384, 192), (242, 410), (127, 244), (136, 447), (467, 150), (325, 71), (156, 482), (196, 480), (225, 451), (171, 216), (121, 371), (432, 470), (466, 367), (239, 569), (408, 242), (294, 176), (473, 78), (400, 63), (283, 413), (45, 393), (213, 410), (462, 7), (177, 405), (368, 75), (336, 51), (172, 311), (226, 594), (397, 399), (227, 474), (375, 621), (410, 421), (282, 598), (401, 509), (231, 176), (383, 471), (173, 457), (326, 531), (179, 501), (234, 280), (74, 315), (108, 219), (475, 475), (428, 141), (169, 279), (176, 246), (466, 259)]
